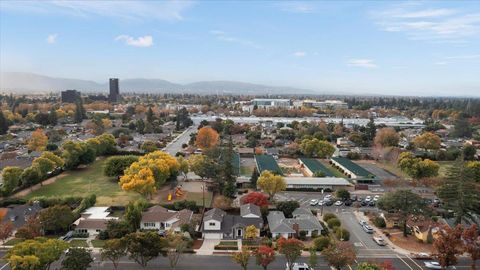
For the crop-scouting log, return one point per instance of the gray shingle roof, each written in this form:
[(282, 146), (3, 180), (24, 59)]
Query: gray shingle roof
[(301, 216), (250, 208), (215, 214)]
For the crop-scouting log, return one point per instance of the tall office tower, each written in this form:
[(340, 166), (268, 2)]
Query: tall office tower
[(70, 96), (114, 90)]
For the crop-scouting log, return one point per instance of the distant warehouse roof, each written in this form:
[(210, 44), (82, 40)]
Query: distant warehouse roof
[(316, 182), (315, 166), (351, 168), (267, 163)]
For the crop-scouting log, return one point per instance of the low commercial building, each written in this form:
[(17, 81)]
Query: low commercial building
[(327, 104), (317, 183), (351, 169), (267, 103), (312, 166), (267, 163)]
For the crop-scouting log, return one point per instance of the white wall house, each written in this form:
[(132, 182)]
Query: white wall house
[(161, 219)]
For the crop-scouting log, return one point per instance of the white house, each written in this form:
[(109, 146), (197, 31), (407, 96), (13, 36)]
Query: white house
[(93, 220), (161, 219)]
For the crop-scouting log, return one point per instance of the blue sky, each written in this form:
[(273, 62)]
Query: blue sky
[(403, 48)]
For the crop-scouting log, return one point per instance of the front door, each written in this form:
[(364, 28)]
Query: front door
[(239, 233)]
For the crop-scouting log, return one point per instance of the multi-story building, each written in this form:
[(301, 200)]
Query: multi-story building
[(266, 103), (114, 95), (70, 96), (327, 104)]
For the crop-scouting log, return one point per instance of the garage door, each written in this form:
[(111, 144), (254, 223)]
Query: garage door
[(212, 236)]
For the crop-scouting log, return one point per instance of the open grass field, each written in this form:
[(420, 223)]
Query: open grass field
[(444, 166), (89, 180)]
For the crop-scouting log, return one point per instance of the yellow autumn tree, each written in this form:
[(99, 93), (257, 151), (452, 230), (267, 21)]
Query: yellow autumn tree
[(38, 141), (207, 138), (141, 182), (251, 232), (159, 164), (271, 183)]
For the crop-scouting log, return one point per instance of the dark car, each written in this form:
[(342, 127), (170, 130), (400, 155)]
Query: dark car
[(354, 198), (371, 203), (348, 203), (329, 203), (363, 203)]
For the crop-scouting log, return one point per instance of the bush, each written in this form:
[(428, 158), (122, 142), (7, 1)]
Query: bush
[(10, 201), (342, 233), (328, 216), (80, 235), (71, 201), (190, 205), (334, 222), (103, 235), (302, 235), (314, 234), (322, 242), (379, 222), (325, 231)]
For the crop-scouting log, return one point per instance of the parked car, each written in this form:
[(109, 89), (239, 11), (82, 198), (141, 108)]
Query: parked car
[(367, 228), (363, 203), (299, 266), (379, 240), (313, 202), (348, 202), (328, 202), (321, 202), (371, 203), (354, 198), (338, 203), (421, 256), (376, 198), (368, 198), (362, 222), (432, 265)]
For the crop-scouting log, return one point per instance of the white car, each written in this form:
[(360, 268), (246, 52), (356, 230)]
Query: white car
[(367, 229), (320, 202), (338, 203), (313, 202), (300, 266), (368, 198), (376, 198), (328, 196), (362, 222), (379, 240), (433, 265)]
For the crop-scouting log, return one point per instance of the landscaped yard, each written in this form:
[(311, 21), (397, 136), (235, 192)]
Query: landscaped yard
[(78, 243), (83, 182), (98, 243), (13, 241), (444, 166)]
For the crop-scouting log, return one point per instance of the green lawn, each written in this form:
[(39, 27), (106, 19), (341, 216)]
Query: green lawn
[(98, 243), (334, 171), (246, 170), (228, 243), (198, 197), (78, 243), (444, 166), (90, 180), (13, 241)]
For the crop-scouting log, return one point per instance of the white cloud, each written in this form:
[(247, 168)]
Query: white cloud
[(131, 10), (299, 54), (52, 38), (223, 36), (420, 23), (363, 63), (297, 7), (145, 41)]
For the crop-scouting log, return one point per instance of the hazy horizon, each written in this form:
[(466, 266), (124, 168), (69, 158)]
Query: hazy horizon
[(389, 48)]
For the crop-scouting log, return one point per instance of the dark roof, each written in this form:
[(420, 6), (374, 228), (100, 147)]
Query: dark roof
[(353, 167), (315, 166), (234, 221), (161, 214), (18, 214), (16, 162), (267, 163)]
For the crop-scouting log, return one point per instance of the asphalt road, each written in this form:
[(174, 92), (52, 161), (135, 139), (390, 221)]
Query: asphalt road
[(176, 145), (221, 262)]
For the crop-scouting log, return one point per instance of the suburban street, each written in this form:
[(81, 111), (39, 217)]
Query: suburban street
[(176, 145), (225, 262)]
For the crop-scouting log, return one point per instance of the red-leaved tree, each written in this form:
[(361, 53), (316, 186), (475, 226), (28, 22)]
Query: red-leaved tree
[(448, 245), (291, 248), (256, 198), (6, 230), (471, 242), (265, 255)]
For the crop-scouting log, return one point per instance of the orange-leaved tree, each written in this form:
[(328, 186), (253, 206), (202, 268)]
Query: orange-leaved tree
[(206, 138), (38, 141)]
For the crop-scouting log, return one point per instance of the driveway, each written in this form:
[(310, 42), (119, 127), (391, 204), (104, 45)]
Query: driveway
[(208, 246)]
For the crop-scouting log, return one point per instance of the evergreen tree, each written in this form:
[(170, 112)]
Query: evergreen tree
[(52, 117), (459, 191), (3, 124), (228, 172), (150, 116), (79, 112), (371, 130)]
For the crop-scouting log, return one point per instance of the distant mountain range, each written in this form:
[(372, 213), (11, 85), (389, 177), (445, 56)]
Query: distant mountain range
[(21, 82)]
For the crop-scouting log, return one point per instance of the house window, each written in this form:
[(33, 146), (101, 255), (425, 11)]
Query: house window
[(167, 225), (149, 224), (211, 224)]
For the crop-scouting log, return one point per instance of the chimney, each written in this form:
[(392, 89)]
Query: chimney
[(296, 228)]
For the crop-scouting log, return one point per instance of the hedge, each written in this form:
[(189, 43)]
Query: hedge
[(328, 216), (334, 222)]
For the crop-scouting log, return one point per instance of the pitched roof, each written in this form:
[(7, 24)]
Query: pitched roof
[(267, 163), (301, 216), (276, 223), (353, 167), (315, 166), (161, 214), (250, 208), (215, 214), (96, 224)]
